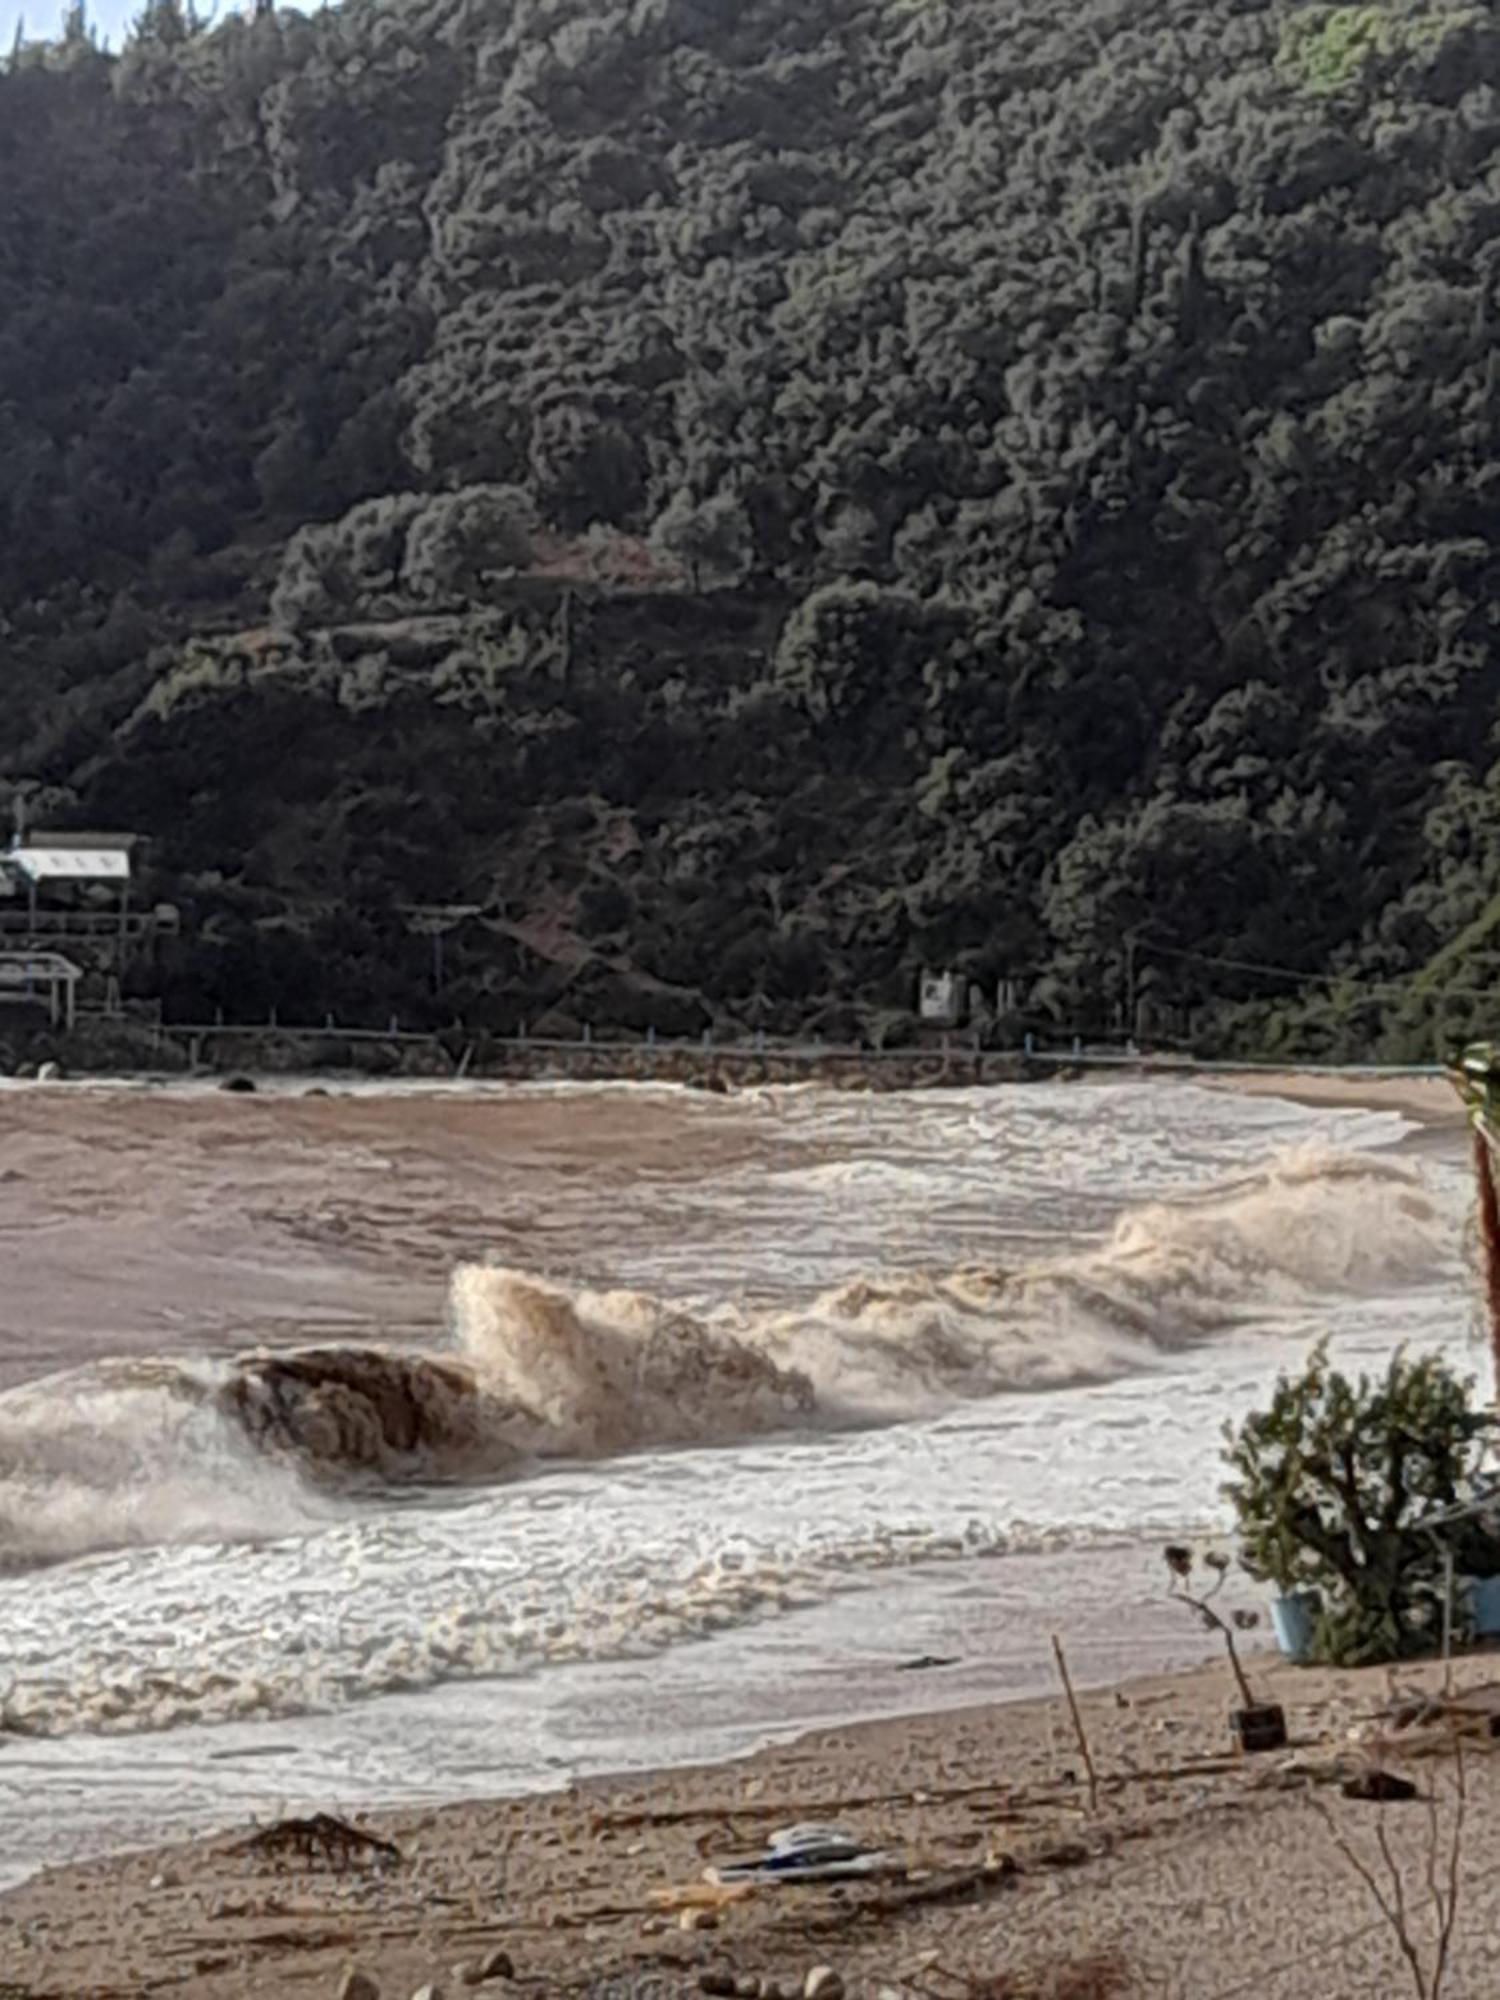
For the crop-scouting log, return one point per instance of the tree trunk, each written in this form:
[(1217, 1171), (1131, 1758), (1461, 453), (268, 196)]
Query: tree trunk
[(1489, 1237)]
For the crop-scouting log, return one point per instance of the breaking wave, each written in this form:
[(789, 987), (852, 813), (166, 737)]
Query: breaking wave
[(132, 1453), (128, 1454)]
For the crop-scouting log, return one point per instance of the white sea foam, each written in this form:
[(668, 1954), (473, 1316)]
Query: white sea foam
[(135, 1453), (184, 1650), (793, 1379), (131, 1454), (604, 1370)]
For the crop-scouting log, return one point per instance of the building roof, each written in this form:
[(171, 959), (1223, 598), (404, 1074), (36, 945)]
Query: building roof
[(43, 859), (37, 837)]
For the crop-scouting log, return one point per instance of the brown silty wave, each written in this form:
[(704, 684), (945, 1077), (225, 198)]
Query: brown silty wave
[(543, 1372), (258, 1444), (539, 1369)]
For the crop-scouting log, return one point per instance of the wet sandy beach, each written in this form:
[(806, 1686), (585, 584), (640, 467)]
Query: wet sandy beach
[(1196, 1875)]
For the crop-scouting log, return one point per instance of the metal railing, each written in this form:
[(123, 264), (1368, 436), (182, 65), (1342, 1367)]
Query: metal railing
[(41, 978), (275, 1031), (84, 923), (952, 1053)]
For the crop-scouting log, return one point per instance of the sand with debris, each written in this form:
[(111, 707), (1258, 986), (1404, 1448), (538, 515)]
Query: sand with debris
[(1198, 1874)]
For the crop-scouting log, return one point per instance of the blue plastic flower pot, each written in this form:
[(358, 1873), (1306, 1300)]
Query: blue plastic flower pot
[(1484, 1602), (1294, 1620)]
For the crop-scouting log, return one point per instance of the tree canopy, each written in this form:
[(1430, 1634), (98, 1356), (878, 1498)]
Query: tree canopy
[(889, 483)]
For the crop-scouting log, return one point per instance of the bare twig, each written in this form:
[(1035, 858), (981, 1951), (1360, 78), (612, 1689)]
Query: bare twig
[(1398, 1919), (1180, 1563), (1443, 1880), (1394, 1920), (1449, 1912)]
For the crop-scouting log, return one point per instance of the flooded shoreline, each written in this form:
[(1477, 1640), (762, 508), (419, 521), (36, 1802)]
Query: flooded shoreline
[(1017, 1319)]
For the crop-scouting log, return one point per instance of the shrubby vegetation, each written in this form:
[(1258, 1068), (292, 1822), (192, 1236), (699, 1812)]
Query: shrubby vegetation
[(754, 500), (1331, 1485)]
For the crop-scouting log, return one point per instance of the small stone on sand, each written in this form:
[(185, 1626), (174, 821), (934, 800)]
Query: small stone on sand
[(496, 1964)]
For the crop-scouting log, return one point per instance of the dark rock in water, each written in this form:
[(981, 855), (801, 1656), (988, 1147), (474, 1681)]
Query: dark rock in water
[(1378, 1786), (316, 1091), (924, 1663), (719, 1981), (240, 1086), (713, 1082), (357, 1408), (357, 1985)]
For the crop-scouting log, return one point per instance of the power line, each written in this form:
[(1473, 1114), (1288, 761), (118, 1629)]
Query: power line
[(1315, 978)]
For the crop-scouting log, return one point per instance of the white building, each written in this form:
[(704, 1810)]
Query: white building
[(941, 999)]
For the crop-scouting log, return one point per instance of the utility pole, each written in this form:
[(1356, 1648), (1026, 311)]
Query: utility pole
[(1132, 941)]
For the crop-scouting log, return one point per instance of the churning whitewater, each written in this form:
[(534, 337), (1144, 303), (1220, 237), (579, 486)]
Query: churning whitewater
[(162, 1449), (453, 1397)]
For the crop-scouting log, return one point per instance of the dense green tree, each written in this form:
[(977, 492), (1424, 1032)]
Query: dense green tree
[(999, 484)]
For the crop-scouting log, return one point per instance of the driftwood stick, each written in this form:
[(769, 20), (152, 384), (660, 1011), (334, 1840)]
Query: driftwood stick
[(1083, 1741)]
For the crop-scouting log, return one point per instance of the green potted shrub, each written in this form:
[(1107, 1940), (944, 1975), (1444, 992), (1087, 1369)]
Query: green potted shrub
[(1291, 1571), (1331, 1484)]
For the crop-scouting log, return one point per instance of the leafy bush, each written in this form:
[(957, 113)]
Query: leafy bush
[(1330, 1484), (460, 540), (334, 570), (1328, 48)]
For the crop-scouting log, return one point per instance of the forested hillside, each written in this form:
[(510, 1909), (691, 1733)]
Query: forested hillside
[(752, 500)]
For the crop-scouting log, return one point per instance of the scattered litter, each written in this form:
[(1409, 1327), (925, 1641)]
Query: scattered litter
[(1304, 1768), (1378, 1785), (1412, 1726), (808, 1854), (707, 1895), (321, 1838)]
